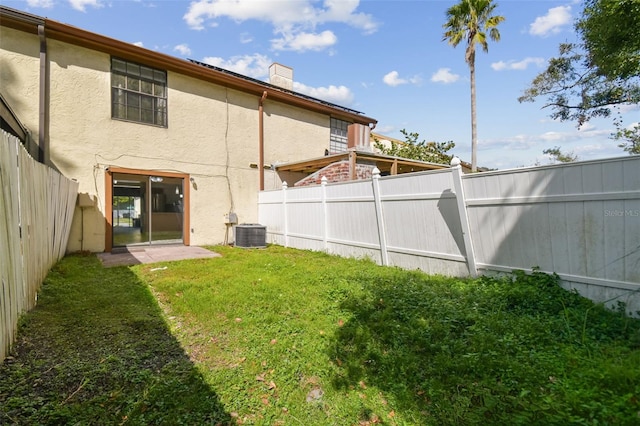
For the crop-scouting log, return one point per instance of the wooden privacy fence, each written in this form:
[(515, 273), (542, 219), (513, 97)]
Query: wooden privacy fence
[(36, 209), (579, 220)]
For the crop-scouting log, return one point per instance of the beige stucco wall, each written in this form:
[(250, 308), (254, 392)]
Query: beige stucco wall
[(292, 134), (19, 74), (212, 135)]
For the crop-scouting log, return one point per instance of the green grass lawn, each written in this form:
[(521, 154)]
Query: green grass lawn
[(287, 337)]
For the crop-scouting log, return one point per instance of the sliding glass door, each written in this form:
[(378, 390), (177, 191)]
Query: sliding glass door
[(165, 224), (129, 209), (147, 210)]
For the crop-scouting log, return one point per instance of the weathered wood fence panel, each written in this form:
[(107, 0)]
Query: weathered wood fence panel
[(11, 276), (36, 209), (579, 220)]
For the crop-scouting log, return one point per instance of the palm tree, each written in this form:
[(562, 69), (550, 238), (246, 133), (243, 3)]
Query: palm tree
[(470, 20)]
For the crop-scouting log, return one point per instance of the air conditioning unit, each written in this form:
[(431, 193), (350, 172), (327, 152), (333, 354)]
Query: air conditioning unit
[(250, 235)]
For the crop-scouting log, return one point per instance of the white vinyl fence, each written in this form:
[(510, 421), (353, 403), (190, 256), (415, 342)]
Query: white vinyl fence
[(36, 209), (579, 220)]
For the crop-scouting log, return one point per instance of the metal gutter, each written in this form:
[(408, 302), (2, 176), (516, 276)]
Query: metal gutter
[(43, 114), (261, 138), (19, 20)]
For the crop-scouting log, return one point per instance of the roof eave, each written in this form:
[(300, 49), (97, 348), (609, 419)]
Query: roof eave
[(76, 36), (19, 20)]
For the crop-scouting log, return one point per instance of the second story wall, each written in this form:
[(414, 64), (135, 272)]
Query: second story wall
[(212, 132)]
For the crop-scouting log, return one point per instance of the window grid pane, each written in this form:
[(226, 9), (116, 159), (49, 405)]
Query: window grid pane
[(138, 93), (119, 65), (146, 73), (146, 87), (338, 139)]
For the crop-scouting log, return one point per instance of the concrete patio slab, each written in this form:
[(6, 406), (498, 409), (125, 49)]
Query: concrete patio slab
[(151, 254)]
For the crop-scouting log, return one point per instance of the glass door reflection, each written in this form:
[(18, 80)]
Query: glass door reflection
[(129, 209), (166, 211), (146, 210)]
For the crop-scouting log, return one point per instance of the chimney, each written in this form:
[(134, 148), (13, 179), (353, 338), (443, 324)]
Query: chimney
[(281, 76), (359, 137)]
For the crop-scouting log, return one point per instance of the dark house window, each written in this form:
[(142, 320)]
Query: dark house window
[(138, 93), (338, 139)]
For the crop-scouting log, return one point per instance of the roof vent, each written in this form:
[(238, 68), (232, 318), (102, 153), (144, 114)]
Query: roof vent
[(281, 76), (251, 235)]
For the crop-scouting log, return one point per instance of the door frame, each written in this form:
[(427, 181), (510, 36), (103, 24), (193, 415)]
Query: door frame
[(108, 243)]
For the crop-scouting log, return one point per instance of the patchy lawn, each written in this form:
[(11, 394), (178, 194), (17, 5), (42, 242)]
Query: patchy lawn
[(281, 336)]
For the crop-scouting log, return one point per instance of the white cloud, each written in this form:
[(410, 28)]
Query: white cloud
[(280, 13), (444, 75), (586, 132), (518, 65), (538, 142), (383, 130), (256, 66), (552, 22), (296, 20), (45, 4), (626, 108), (340, 95), (591, 149), (182, 49), (393, 79), (513, 143), (556, 136), (589, 142), (276, 12), (139, 44), (245, 38), (82, 4), (586, 127), (344, 11), (303, 41)]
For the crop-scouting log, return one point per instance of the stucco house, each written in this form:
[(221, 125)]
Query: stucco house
[(164, 149)]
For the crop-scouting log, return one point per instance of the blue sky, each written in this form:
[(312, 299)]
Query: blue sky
[(385, 58)]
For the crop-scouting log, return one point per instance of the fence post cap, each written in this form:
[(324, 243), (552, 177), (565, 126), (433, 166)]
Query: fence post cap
[(376, 172), (324, 180), (455, 161), (285, 185)]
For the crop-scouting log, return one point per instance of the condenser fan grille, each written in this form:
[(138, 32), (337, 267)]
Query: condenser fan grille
[(250, 235)]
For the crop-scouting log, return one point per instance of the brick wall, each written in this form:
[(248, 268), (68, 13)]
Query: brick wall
[(337, 172)]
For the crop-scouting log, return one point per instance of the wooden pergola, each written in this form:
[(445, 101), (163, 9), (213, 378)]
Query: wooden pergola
[(388, 165)]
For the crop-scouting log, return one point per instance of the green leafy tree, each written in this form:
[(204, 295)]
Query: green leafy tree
[(557, 156), (433, 152), (121, 201), (630, 137), (599, 74), (609, 29), (472, 21)]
